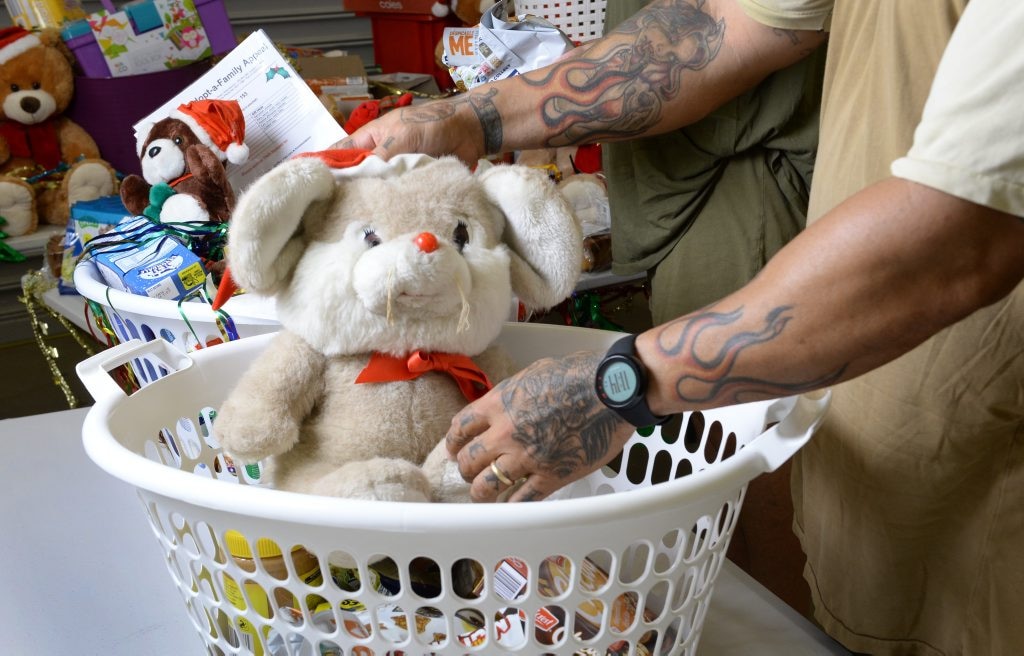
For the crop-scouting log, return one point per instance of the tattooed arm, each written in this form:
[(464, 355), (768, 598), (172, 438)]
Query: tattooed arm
[(877, 276), (667, 66)]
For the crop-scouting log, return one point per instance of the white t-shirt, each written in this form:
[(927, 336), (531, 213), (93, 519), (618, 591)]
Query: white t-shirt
[(970, 141)]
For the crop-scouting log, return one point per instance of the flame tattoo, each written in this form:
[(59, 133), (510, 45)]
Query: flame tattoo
[(715, 381)]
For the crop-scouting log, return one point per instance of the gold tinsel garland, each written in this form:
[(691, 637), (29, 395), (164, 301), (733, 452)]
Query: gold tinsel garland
[(33, 285)]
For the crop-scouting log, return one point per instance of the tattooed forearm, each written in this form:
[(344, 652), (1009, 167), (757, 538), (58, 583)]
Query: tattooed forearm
[(715, 379), (490, 120), (793, 37), (557, 417), (620, 90), (482, 103)]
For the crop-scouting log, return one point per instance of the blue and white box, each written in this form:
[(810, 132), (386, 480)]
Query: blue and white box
[(159, 267)]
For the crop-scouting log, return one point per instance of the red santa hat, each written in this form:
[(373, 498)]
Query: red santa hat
[(15, 41), (219, 124)]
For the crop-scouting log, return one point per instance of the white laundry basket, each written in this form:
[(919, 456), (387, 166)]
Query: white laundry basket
[(186, 326), (581, 20), (622, 563)]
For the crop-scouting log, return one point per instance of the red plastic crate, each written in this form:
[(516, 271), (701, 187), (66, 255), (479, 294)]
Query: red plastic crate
[(390, 6), (406, 43)]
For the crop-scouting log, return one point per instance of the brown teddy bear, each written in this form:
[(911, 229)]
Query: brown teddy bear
[(183, 159), (47, 161)]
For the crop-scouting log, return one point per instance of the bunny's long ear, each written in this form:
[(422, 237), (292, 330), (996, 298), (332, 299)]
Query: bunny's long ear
[(541, 231), (263, 241)]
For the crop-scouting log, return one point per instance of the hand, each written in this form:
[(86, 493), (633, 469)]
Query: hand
[(440, 127), (545, 425)]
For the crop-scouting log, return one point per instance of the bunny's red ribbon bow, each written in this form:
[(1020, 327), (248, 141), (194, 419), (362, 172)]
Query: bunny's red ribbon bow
[(382, 368)]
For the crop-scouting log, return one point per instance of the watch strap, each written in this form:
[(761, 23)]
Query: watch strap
[(638, 413)]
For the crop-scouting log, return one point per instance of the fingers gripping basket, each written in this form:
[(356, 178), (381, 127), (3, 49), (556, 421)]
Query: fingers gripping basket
[(623, 563)]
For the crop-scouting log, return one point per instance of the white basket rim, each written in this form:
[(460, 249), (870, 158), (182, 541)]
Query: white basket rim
[(135, 469), (245, 308)]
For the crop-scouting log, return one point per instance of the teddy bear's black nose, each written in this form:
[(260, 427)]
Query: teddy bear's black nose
[(30, 104), (153, 151)]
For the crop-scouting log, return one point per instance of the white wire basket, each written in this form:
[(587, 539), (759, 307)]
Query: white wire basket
[(623, 562), (187, 326), (581, 20)]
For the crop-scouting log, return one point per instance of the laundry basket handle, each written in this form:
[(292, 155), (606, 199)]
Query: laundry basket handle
[(94, 371), (778, 444)]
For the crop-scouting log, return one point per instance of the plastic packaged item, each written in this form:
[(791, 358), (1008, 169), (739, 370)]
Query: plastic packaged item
[(35, 14), (286, 605)]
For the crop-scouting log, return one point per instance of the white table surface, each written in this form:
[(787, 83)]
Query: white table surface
[(81, 572)]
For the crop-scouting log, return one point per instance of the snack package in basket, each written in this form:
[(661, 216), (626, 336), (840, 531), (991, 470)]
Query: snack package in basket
[(501, 46)]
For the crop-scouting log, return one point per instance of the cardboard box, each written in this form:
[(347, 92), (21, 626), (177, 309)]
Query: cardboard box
[(88, 219), (159, 267)]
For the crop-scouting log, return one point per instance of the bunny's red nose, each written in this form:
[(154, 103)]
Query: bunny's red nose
[(426, 242)]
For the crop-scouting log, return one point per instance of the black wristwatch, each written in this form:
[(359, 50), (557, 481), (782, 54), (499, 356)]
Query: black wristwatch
[(621, 383)]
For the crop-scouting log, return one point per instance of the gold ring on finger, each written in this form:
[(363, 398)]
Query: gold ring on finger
[(500, 475)]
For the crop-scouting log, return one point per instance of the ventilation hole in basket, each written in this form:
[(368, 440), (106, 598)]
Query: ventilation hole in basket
[(206, 417), (257, 599), (188, 547), (328, 648), (510, 628), (467, 578), (202, 470), (392, 623), (615, 464), (636, 464), (510, 578), (154, 516), (669, 551), (713, 443), (470, 627), (730, 447), (684, 591), (355, 619), (723, 523), (296, 644), (698, 544), (287, 606), (188, 438), (661, 471), (554, 577), (671, 429), (588, 620), (623, 615), (344, 573), (168, 446), (431, 627), (694, 432), (549, 626), (306, 566), (133, 332), (634, 563), (227, 631), (425, 578), (672, 635), (683, 468), (208, 545), (224, 468), (594, 571), (656, 602), (385, 574)]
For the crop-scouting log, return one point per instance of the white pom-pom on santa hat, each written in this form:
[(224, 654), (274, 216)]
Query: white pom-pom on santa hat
[(15, 41), (219, 124)]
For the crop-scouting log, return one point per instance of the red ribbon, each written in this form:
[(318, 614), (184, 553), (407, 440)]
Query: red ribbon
[(472, 382)]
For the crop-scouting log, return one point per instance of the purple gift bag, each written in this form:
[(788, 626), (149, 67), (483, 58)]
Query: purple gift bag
[(108, 107)]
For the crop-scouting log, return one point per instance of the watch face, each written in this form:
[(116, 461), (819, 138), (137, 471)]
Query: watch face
[(619, 382)]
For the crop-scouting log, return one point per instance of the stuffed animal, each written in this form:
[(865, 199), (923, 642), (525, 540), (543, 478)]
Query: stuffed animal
[(392, 281), (183, 160), (47, 161)]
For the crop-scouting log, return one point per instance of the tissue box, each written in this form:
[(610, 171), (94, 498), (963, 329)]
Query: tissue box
[(147, 36), (162, 267), (88, 219)]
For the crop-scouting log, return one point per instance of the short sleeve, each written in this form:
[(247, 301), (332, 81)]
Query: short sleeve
[(970, 141), (790, 14)]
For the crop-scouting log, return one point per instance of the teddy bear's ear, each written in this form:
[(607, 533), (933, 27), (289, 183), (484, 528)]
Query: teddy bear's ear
[(51, 37), (263, 241), (541, 231)]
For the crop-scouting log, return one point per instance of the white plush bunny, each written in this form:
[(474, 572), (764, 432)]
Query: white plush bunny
[(380, 271)]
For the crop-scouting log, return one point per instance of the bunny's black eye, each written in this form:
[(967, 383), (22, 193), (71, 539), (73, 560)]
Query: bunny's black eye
[(370, 237), (461, 236)]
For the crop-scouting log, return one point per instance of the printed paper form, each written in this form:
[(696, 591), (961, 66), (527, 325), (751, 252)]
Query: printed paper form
[(283, 116)]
